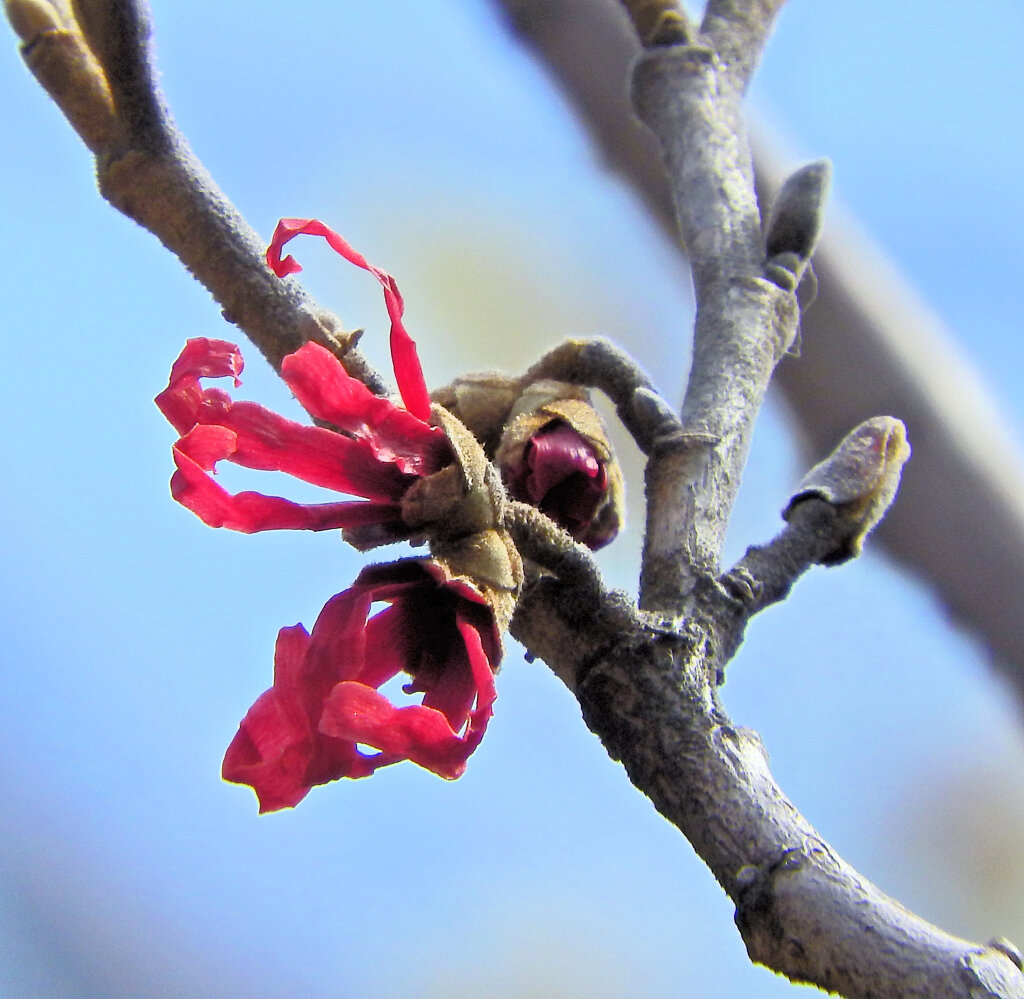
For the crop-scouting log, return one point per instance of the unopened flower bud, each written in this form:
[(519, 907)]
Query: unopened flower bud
[(555, 455)]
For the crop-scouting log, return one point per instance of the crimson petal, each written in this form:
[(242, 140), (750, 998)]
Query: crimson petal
[(250, 512), (408, 371), (266, 440), (271, 748), (417, 733), (308, 728), (556, 453), (201, 357), (329, 393)]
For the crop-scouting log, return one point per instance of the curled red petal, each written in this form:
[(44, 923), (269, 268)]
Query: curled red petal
[(408, 371), (441, 631), (266, 440), (482, 667), (182, 400), (271, 750), (417, 733), (250, 512), (278, 749)]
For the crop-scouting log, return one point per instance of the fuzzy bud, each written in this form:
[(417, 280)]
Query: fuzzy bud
[(555, 455)]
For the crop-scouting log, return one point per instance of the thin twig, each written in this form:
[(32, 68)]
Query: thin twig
[(602, 365), (744, 323)]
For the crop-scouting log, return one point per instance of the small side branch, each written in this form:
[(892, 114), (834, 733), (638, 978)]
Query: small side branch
[(540, 540), (600, 364), (834, 508)]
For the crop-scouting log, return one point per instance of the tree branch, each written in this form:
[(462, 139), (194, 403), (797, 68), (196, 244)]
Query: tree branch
[(744, 324), (94, 60), (861, 356), (645, 678), (649, 691), (646, 685)]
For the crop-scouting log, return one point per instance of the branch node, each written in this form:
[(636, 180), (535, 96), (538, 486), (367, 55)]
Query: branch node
[(661, 71), (683, 442), (741, 586), (988, 975), (1010, 949), (659, 22)]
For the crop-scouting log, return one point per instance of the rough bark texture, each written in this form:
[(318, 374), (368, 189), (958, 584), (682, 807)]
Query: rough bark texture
[(868, 345)]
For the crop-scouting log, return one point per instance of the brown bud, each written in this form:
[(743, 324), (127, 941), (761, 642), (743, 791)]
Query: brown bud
[(859, 479), (482, 402), (555, 455)]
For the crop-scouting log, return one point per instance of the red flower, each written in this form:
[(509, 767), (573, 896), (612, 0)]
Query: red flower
[(441, 629), (560, 473), (382, 451), (324, 703)]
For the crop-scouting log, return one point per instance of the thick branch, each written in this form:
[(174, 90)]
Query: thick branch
[(647, 691), (800, 908), (869, 346), (744, 324)]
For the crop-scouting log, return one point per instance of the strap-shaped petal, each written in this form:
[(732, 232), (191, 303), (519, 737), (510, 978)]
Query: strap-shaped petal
[(330, 393), (250, 512), (417, 733), (406, 362), (268, 441)]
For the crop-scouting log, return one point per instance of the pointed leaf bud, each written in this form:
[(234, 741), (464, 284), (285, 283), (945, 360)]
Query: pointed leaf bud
[(859, 479)]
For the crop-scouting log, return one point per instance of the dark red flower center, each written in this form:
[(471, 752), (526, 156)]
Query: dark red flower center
[(562, 476)]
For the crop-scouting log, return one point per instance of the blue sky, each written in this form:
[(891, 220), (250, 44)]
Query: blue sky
[(135, 638)]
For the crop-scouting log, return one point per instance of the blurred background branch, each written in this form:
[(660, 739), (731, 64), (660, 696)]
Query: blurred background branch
[(869, 346)]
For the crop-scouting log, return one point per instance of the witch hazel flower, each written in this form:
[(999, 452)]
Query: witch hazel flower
[(324, 704), (419, 475), (555, 454)]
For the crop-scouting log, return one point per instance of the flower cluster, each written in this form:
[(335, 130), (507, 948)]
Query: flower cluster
[(414, 472), (418, 475)]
